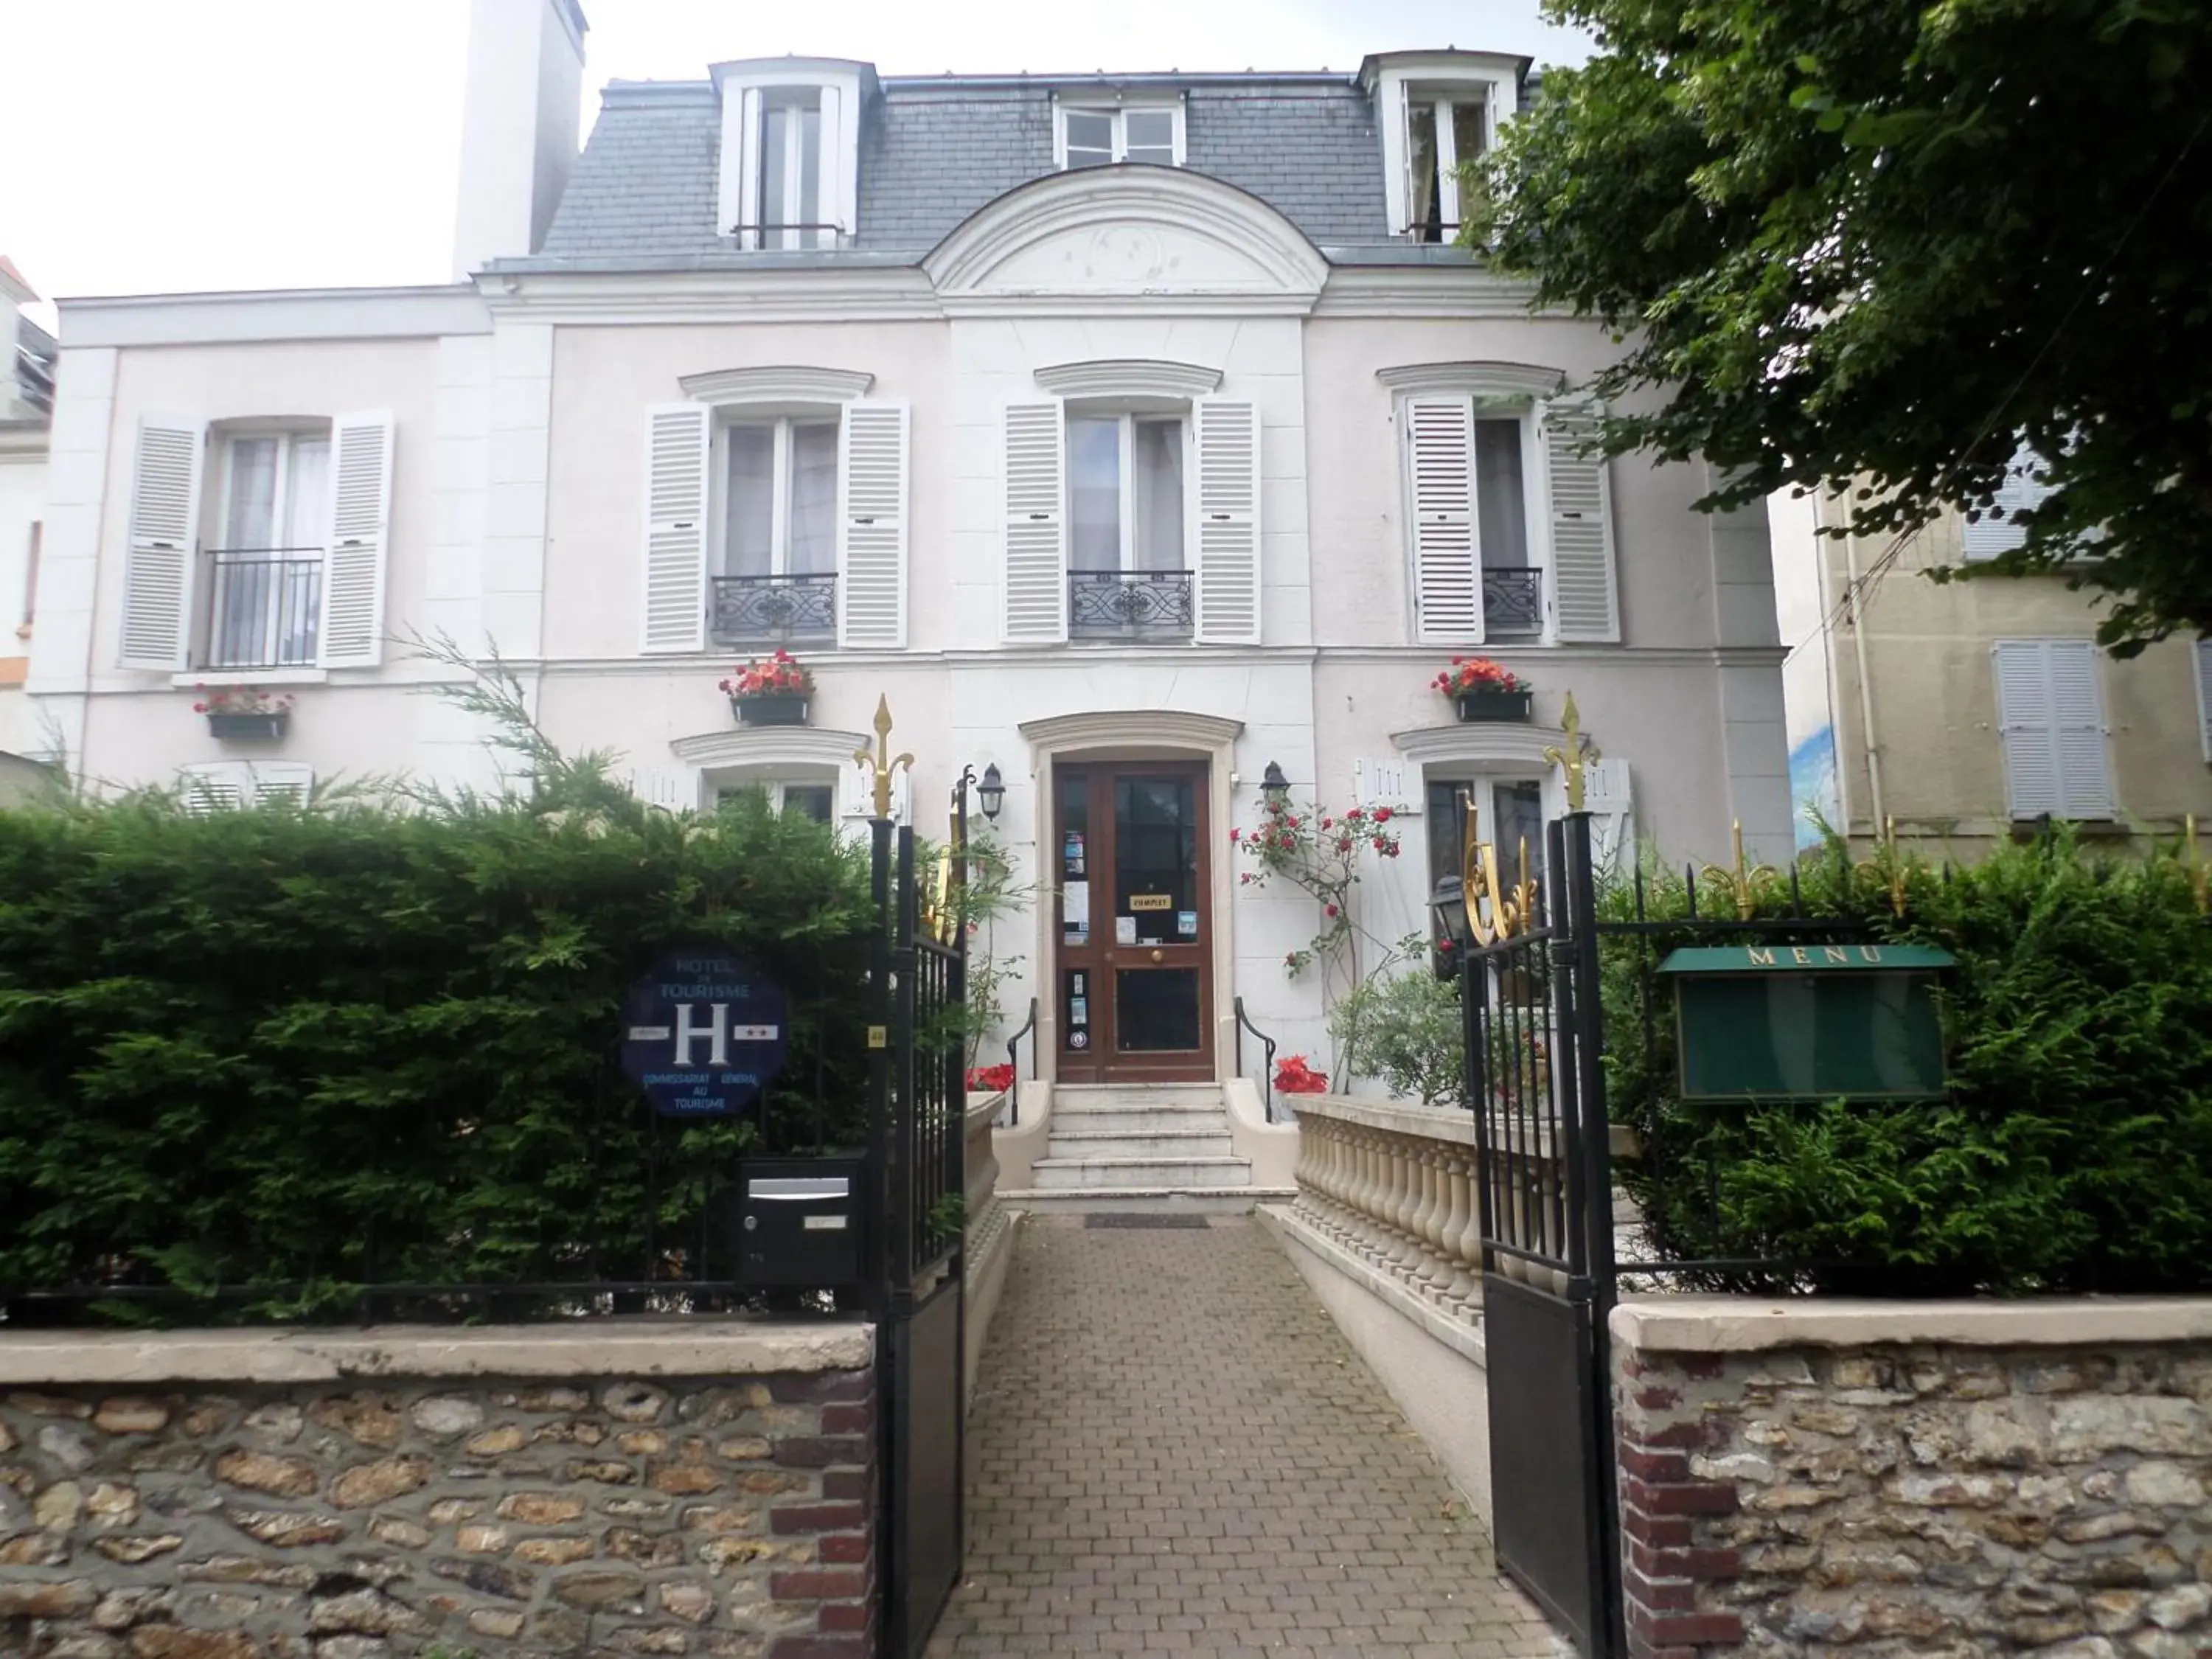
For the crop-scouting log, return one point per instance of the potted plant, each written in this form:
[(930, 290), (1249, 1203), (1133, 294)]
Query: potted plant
[(1484, 690), (771, 691), (244, 713)]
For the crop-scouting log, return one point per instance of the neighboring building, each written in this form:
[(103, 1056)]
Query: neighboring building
[(26, 407), (1973, 710), (1129, 433)]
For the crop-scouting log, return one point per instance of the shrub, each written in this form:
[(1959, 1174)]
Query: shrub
[(2074, 1152), (357, 1044), (1405, 1031)]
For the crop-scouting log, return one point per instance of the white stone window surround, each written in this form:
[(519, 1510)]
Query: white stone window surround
[(1118, 105), (746, 757), (1494, 390), (1399, 80), (749, 88), (1151, 390)]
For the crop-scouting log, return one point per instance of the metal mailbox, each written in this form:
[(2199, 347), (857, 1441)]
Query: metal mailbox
[(1783, 1022), (800, 1224)]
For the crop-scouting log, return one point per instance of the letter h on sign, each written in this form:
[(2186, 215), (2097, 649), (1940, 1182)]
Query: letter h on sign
[(716, 1031)]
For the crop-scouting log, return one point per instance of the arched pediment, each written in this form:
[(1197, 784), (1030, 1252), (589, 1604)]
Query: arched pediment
[(1163, 236)]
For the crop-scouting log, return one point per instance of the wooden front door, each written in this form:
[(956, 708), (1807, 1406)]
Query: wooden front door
[(1132, 851)]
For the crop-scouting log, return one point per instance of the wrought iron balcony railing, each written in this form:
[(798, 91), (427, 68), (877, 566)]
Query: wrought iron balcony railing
[(755, 608), (1132, 605), (264, 606), (1512, 602)]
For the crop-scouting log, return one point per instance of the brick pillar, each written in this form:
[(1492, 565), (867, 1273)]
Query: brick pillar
[(838, 1530), (1662, 1505)]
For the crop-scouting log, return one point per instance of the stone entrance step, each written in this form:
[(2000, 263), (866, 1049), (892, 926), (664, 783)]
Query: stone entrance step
[(1139, 1148)]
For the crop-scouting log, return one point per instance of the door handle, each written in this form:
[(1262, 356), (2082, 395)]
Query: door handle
[(1158, 956)]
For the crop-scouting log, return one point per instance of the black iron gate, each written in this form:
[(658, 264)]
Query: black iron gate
[(1529, 997), (920, 1125)]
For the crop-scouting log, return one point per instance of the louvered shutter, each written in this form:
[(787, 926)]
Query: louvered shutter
[(872, 526), (1447, 567), (157, 576), (2027, 728), (1382, 782), (1035, 576), (289, 782), (2204, 692), (1999, 530), (1228, 567), (672, 789), (1585, 591), (677, 443), (218, 787), (1605, 797), (351, 633), (2084, 775)]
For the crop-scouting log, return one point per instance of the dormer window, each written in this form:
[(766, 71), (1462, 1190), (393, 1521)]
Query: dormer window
[(1099, 135), (791, 129), (1437, 112), (1443, 134)]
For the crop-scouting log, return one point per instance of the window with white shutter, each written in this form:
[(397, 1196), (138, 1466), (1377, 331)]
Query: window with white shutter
[(1228, 553), (231, 786), (1036, 549), (1998, 530), (163, 533), (677, 443), (1585, 590), (872, 526), (351, 634), (2051, 717), (2204, 692), (1447, 569), (672, 789), (1607, 797)]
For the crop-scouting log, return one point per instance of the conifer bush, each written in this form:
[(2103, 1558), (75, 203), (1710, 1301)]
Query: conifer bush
[(2074, 1152), (315, 1048)]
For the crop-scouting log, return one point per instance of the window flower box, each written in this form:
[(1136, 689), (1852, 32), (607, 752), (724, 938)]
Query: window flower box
[(773, 690), (1483, 692), (1478, 706), (244, 713)]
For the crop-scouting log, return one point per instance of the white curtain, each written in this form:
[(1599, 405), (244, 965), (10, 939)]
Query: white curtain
[(1159, 495), (813, 500), (1094, 493), (748, 514)]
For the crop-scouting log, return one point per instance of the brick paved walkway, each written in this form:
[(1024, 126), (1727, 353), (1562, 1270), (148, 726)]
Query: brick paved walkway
[(1173, 1451)]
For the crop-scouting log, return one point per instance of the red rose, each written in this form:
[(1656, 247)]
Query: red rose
[(1382, 815), (1329, 910)]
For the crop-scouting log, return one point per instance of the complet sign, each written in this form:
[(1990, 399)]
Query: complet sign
[(703, 1034)]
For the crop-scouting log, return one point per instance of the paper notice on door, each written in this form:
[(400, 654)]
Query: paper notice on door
[(1125, 930), (1075, 905), (1187, 923)]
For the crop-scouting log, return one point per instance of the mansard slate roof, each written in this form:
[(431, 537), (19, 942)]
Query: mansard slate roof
[(933, 149)]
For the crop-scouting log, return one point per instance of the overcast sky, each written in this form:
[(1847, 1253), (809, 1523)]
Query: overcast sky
[(157, 146)]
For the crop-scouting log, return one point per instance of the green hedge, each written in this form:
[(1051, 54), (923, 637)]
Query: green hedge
[(2075, 1152), (356, 1043)]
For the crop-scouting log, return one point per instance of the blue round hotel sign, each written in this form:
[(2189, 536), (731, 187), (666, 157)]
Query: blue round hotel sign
[(703, 1034)]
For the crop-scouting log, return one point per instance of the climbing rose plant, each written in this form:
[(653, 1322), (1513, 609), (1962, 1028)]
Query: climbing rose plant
[(1320, 852)]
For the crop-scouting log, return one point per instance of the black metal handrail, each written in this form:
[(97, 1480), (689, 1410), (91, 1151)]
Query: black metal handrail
[(1512, 600), (1139, 603), (264, 606), (1267, 1061), (775, 607), (1014, 1064)]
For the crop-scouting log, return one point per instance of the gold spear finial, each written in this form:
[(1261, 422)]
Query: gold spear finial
[(1744, 880), (882, 763), (1577, 754)]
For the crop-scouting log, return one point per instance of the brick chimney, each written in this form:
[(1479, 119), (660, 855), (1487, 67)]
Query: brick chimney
[(519, 126)]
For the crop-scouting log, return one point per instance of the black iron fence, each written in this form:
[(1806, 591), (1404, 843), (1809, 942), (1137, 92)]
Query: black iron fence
[(1142, 604), (759, 608), (264, 607)]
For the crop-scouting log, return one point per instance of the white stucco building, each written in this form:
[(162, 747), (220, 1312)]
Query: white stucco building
[(1129, 433), (26, 401)]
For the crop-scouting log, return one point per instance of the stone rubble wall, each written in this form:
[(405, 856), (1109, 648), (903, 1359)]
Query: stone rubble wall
[(1928, 1499), (715, 1516)]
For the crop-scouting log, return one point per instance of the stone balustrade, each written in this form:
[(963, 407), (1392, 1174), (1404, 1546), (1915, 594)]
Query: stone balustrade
[(1394, 1185)]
